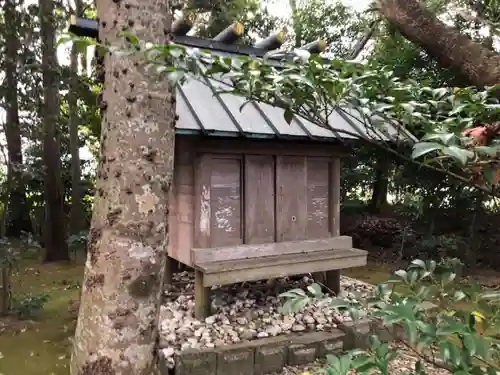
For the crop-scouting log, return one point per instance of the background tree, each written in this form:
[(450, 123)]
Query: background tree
[(56, 248), (17, 219), (476, 62)]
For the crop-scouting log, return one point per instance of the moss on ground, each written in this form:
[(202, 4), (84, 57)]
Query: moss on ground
[(41, 346)]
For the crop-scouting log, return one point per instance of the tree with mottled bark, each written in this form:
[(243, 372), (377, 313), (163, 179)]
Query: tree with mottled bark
[(476, 62), (17, 216), (117, 324), (76, 213), (55, 245)]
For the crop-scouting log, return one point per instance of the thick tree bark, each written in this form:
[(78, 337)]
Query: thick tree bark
[(76, 213), (474, 61), (56, 248), (117, 324), (18, 216)]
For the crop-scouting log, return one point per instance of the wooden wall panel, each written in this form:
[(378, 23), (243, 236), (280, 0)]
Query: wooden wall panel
[(318, 174), (291, 202), (183, 239), (259, 199), (335, 197), (225, 202)]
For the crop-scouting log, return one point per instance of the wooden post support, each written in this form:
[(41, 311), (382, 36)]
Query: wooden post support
[(169, 271), (201, 297), (332, 281), (319, 277)]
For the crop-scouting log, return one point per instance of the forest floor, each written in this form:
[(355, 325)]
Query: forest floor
[(42, 345)]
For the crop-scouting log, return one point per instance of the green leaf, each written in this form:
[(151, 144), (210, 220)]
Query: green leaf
[(294, 293), (490, 295), (403, 275), (339, 303), (470, 344), (315, 290), (450, 329), (459, 154), (458, 109), (459, 296), (489, 174), (288, 115), (419, 263), (423, 148), (362, 361), (487, 150), (444, 350), (439, 93), (411, 331), (408, 107)]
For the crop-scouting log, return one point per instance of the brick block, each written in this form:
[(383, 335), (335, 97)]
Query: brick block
[(270, 359), (301, 354), (196, 363), (333, 346), (356, 335), (236, 362)]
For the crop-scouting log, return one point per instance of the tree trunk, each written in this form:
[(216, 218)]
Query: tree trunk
[(18, 216), (56, 248), (76, 213), (118, 319), (378, 203), (474, 61)]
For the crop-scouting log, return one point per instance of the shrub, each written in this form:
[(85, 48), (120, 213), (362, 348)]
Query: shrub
[(459, 335), (30, 306)]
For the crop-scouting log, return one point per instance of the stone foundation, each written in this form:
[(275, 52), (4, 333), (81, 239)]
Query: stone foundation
[(259, 356)]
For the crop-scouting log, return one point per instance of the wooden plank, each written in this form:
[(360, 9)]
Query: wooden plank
[(334, 197), (291, 193), (332, 277), (268, 147), (202, 209), (277, 260), (225, 202), (281, 269), (181, 210), (222, 254), (318, 225), (259, 199)]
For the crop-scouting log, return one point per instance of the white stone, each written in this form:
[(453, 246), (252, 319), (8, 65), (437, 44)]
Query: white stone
[(168, 352), (210, 320)]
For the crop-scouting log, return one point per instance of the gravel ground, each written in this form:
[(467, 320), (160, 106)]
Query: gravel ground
[(247, 311), (242, 312)]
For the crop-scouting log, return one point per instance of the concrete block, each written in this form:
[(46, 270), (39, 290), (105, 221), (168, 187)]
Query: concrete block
[(236, 362), (301, 354), (196, 363), (334, 346), (356, 335), (270, 359)]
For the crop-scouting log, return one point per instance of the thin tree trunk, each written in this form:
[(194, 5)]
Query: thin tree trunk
[(76, 213), (118, 319), (17, 217), (378, 203), (56, 248), (474, 61)]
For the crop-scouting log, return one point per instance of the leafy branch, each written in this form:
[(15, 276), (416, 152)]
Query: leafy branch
[(389, 111)]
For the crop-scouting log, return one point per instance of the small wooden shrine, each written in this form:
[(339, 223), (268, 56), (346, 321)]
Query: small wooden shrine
[(254, 197)]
